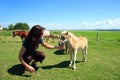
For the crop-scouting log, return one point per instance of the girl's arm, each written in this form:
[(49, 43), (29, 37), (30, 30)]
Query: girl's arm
[(51, 46)]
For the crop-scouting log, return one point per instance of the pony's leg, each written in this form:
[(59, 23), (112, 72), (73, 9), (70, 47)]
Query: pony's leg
[(74, 59), (65, 49), (84, 52), (22, 39), (71, 59), (47, 39), (53, 40)]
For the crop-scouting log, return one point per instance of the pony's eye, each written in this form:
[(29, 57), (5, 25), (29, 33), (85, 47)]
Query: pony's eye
[(41, 33), (62, 37)]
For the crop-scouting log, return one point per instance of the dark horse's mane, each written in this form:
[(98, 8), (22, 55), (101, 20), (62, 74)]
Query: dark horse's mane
[(22, 34)]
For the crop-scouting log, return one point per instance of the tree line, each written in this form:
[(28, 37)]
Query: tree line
[(18, 26)]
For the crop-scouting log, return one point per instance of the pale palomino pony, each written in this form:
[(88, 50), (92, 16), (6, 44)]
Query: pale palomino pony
[(74, 43), (46, 35)]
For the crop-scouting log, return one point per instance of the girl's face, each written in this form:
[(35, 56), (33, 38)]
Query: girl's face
[(42, 33)]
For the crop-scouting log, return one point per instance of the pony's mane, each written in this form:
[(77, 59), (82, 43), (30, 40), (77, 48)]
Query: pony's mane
[(70, 34), (66, 32)]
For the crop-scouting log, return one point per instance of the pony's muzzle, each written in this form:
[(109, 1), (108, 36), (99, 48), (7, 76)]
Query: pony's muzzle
[(60, 43)]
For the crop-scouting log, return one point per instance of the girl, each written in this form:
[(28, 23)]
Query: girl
[(28, 50)]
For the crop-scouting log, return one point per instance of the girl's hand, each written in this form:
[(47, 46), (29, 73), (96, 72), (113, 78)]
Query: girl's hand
[(30, 69), (60, 47)]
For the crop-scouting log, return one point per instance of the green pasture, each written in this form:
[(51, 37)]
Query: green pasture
[(103, 59)]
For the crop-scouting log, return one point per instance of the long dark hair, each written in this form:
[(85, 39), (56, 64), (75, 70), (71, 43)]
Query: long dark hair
[(34, 36)]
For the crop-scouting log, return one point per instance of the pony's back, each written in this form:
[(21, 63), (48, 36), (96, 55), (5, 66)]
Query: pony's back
[(83, 42)]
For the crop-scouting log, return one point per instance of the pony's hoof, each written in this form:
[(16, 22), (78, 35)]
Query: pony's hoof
[(83, 60), (74, 68), (70, 65)]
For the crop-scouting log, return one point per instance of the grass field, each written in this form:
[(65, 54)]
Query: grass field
[(102, 60)]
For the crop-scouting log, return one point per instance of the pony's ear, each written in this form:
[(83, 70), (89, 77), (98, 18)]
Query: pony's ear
[(67, 33)]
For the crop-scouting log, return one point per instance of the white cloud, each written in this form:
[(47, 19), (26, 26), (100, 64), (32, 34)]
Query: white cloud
[(105, 24)]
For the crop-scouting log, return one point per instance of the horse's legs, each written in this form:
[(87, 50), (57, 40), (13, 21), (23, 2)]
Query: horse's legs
[(66, 49), (47, 39), (84, 52), (74, 59), (53, 40), (22, 39), (71, 59)]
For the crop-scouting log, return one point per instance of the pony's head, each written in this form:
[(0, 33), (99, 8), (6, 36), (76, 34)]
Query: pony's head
[(17, 33), (65, 35), (14, 33)]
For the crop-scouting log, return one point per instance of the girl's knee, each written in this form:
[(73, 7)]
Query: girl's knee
[(40, 56)]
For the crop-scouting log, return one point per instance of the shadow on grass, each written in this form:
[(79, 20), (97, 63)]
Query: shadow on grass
[(59, 52), (63, 64), (18, 70)]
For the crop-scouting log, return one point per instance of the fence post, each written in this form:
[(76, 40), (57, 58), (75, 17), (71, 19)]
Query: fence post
[(97, 37)]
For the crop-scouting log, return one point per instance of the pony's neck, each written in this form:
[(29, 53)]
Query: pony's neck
[(72, 40)]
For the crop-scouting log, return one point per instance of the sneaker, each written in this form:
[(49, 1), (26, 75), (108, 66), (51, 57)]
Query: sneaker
[(35, 66)]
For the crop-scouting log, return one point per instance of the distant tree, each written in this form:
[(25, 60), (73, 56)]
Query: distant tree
[(11, 27), (21, 26), (5, 28), (26, 26)]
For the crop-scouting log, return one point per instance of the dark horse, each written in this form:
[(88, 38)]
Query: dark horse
[(21, 34)]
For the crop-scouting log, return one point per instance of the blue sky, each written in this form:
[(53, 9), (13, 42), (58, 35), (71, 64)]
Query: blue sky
[(62, 14)]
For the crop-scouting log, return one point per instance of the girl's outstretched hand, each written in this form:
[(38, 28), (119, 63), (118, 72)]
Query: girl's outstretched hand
[(61, 47)]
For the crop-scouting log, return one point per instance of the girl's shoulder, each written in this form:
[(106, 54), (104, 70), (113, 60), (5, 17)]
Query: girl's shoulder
[(41, 40), (25, 44)]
